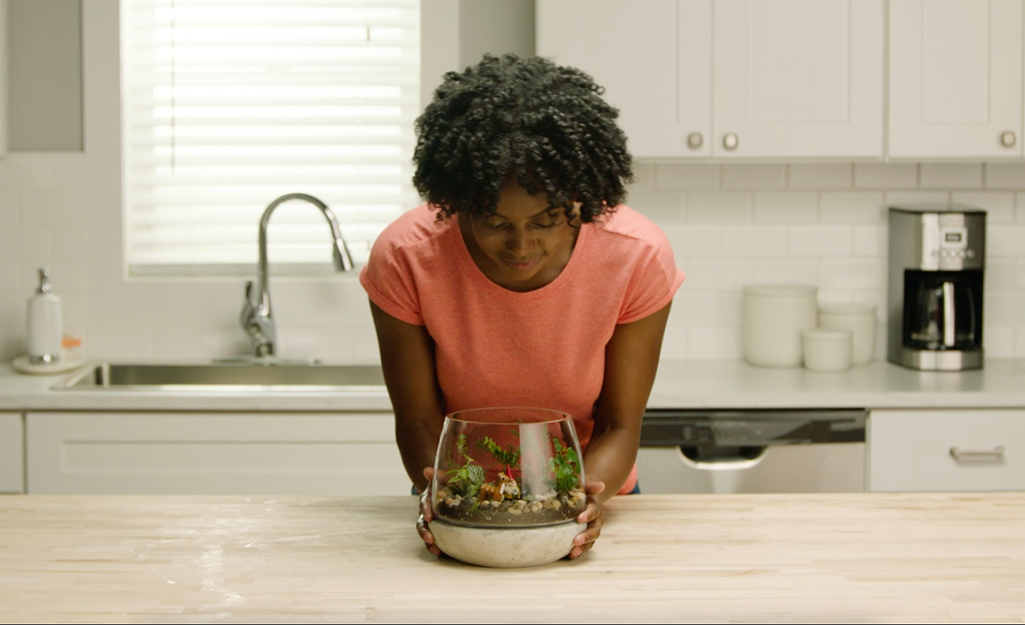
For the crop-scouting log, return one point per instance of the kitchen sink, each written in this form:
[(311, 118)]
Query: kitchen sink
[(260, 376)]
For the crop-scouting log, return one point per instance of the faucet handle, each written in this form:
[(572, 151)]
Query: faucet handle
[(249, 290)]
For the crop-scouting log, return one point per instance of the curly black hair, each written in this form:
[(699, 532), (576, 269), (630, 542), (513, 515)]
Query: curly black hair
[(542, 124)]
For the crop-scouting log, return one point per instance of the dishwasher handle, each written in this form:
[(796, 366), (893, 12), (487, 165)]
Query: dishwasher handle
[(742, 458)]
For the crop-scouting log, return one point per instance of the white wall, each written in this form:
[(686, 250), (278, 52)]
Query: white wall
[(729, 224)]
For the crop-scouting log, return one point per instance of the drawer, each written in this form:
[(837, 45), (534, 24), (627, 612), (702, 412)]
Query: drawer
[(946, 450), (12, 457), (214, 454)]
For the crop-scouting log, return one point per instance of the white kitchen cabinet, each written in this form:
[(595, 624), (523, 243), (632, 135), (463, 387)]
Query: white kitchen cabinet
[(12, 458), (946, 450), (213, 453), (654, 61), (798, 79), (792, 78), (955, 79)]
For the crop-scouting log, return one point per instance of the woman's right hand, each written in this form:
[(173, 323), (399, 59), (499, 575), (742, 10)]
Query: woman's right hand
[(427, 515)]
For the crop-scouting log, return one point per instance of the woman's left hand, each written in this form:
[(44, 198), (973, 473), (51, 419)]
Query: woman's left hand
[(591, 515)]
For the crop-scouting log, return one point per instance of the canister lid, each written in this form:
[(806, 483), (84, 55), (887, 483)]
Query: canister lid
[(780, 290)]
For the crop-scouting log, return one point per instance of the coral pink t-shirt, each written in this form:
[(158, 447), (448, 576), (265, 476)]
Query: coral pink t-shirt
[(543, 348)]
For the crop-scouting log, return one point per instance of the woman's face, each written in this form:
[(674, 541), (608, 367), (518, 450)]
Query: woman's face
[(525, 244)]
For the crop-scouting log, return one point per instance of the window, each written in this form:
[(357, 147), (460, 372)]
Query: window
[(228, 104)]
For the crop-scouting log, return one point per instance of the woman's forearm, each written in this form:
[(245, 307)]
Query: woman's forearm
[(418, 443), (610, 457)]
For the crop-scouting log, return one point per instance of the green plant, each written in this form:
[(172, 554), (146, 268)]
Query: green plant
[(565, 466), (467, 479), (508, 457)]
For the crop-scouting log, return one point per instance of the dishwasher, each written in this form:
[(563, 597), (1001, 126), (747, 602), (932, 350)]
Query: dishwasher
[(752, 451)]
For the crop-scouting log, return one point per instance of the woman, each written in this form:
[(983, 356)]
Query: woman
[(522, 281)]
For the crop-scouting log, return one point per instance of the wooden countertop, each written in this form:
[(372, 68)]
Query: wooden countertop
[(856, 558)]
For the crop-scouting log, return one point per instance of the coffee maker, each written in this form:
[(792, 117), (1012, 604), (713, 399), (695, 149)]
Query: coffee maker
[(937, 257)]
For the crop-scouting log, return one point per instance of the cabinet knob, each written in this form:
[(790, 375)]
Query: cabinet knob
[(730, 141), (694, 140), (1008, 139)]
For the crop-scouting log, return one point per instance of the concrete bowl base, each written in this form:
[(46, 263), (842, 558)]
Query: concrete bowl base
[(506, 547)]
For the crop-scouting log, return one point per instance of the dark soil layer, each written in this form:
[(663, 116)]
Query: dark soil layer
[(488, 516)]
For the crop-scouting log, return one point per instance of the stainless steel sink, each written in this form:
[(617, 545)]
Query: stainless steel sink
[(226, 377)]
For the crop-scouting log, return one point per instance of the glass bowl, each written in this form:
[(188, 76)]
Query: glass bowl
[(499, 470)]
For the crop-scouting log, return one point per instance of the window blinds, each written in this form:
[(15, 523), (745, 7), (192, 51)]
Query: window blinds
[(228, 104)]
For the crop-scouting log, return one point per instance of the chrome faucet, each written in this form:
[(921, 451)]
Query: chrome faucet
[(256, 317)]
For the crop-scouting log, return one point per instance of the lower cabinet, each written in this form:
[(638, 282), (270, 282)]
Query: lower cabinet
[(12, 453), (946, 450), (213, 453)]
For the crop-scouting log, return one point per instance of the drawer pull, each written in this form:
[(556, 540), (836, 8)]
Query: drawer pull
[(963, 455)]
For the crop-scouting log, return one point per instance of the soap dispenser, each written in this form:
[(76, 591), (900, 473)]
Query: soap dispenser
[(45, 322)]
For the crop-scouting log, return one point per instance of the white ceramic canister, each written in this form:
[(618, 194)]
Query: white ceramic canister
[(772, 318), (826, 349), (860, 319)]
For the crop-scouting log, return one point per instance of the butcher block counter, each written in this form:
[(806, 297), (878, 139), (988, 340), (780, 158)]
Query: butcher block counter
[(851, 558)]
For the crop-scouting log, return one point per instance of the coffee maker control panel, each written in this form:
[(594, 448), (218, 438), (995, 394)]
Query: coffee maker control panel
[(950, 241)]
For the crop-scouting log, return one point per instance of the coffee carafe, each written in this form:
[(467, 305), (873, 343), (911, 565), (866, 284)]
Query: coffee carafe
[(937, 258)]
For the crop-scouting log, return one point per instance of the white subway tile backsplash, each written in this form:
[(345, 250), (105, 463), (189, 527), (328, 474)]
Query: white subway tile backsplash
[(34, 243), (706, 308), (754, 241), (852, 207), (729, 225), (791, 207), (718, 208), (999, 205), (820, 176), (713, 274), (787, 270), (998, 342), (1019, 203), (713, 343), (853, 274), (885, 176), (1004, 309), (51, 208), (1005, 175), (754, 177), (950, 176), (906, 199), (683, 177), (690, 241), (120, 342), (871, 240), (1001, 275), (821, 241), (25, 171), (10, 208), (666, 207), (71, 243), (1007, 240)]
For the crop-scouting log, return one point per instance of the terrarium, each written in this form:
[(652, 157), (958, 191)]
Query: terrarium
[(508, 486)]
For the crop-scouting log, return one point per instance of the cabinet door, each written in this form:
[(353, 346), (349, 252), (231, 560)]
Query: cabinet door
[(214, 454), (12, 459), (946, 450), (798, 78), (652, 58), (955, 78)]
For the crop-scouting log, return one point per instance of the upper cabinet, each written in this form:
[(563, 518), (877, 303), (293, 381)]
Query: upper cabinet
[(653, 59), (955, 78), (798, 78), (792, 78)]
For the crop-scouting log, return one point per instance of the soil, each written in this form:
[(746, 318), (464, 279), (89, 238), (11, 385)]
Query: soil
[(505, 515)]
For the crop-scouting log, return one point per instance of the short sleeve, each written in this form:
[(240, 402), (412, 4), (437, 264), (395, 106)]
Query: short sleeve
[(653, 282), (389, 282)]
